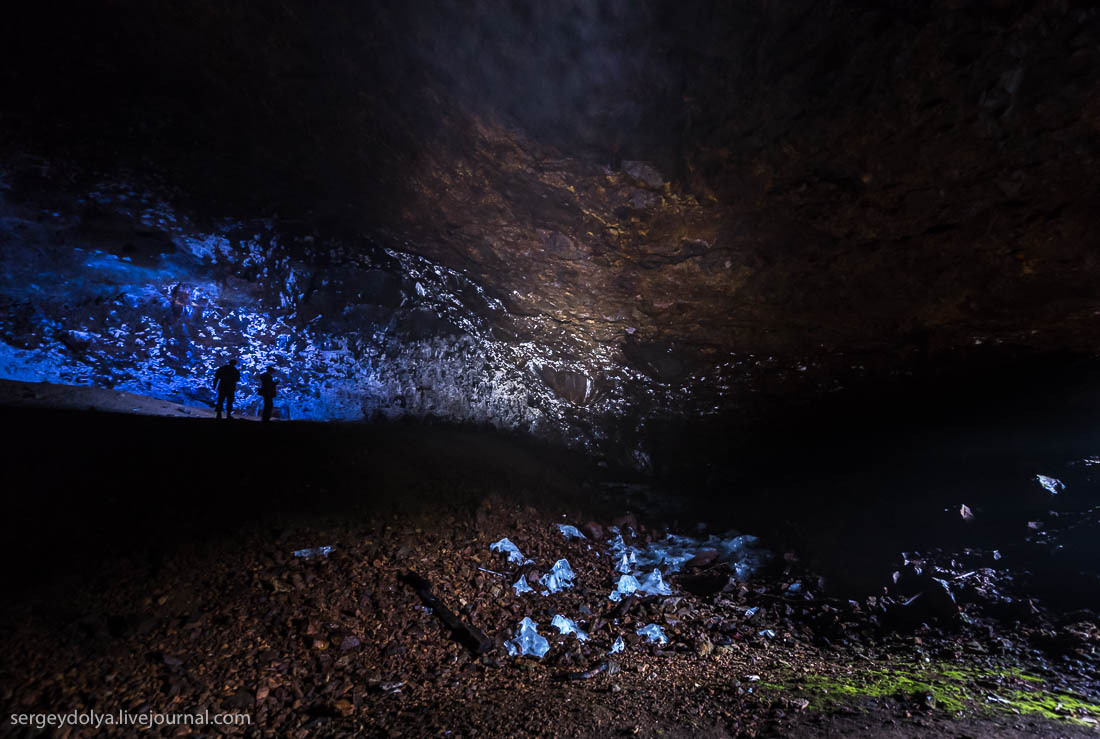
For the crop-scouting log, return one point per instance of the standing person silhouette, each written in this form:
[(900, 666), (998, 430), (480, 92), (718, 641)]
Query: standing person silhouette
[(225, 382), (267, 392)]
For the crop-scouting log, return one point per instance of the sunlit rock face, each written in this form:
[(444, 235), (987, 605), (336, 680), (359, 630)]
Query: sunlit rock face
[(566, 218)]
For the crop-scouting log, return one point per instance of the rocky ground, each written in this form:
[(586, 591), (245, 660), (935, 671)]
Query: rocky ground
[(49, 395), (145, 584)]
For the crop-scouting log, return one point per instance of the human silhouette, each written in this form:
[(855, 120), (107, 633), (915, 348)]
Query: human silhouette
[(225, 383), (267, 392)]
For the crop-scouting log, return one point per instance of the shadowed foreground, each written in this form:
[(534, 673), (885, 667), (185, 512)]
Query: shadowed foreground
[(150, 568)]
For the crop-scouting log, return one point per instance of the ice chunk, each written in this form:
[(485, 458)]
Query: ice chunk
[(627, 585), (568, 626), (672, 552), (653, 634), (654, 584), (627, 563), (743, 570), (570, 532), (618, 646), (750, 612), (521, 586), (560, 577), (314, 552), (506, 546), (1053, 486), (527, 641)]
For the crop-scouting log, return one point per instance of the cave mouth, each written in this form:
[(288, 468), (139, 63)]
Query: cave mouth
[(638, 367)]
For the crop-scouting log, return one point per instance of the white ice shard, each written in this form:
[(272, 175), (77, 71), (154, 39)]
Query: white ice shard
[(521, 586), (568, 626), (654, 584), (1053, 485), (627, 584), (653, 634), (314, 552), (560, 577), (506, 546), (570, 532), (527, 641)]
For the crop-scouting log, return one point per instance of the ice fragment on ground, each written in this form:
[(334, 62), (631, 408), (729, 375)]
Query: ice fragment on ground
[(768, 633), (654, 584), (1053, 485), (527, 641), (627, 563), (743, 570), (521, 586), (618, 646), (560, 577), (750, 612), (568, 626), (570, 532), (653, 634), (506, 546), (674, 551), (627, 585), (314, 552)]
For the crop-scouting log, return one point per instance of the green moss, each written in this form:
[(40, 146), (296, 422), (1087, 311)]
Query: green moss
[(951, 688), (1056, 705)]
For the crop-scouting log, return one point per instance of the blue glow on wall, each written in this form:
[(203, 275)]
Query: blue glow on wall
[(119, 289)]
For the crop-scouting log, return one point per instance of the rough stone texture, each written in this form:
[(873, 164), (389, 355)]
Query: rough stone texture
[(546, 216)]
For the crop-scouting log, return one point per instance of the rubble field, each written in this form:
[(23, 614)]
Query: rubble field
[(370, 593)]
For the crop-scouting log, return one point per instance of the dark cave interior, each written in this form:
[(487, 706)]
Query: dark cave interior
[(669, 272)]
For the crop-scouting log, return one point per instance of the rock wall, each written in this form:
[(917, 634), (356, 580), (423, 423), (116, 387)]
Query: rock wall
[(575, 219), (113, 286)]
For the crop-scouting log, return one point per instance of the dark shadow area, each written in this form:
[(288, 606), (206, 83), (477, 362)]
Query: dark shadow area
[(83, 487), (174, 549), (847, 481), (854, 478)]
